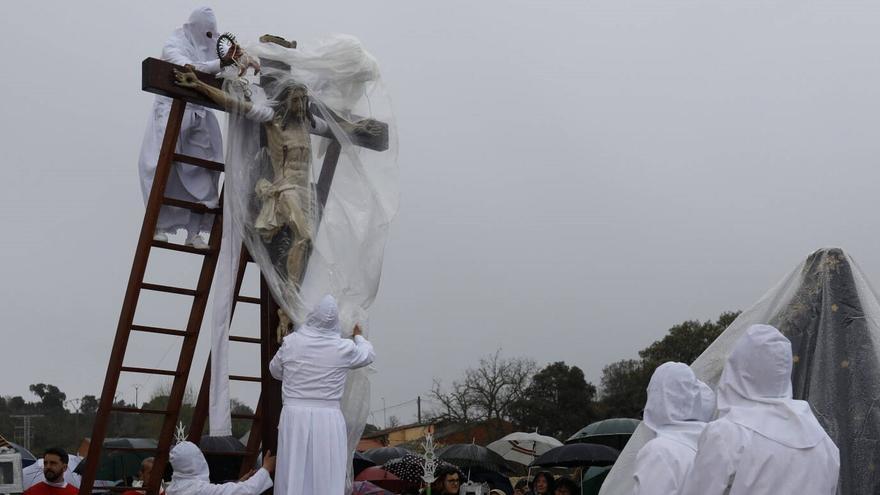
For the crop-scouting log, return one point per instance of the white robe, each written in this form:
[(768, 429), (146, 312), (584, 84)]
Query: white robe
[(199, 133), (677, 403), (764, 442), (312, 364), (191, 476)]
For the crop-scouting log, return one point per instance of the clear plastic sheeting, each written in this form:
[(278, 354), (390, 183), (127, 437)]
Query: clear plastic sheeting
[(283, 125), (827, 309)]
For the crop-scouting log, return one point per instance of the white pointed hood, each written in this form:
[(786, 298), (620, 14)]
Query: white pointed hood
[(674, 405), (192, 38), (323, 321), (190, 468), (755, 390)]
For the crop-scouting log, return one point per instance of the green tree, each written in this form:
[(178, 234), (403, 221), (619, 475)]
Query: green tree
[(558, 402), (625, 383), (88, 405), (50, 396)]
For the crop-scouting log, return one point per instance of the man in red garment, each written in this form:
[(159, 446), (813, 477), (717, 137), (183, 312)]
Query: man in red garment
[(54, 466)]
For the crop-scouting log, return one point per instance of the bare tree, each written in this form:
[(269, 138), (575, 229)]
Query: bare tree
[(487, 392)]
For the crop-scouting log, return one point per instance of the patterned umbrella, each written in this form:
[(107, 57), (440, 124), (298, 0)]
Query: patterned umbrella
[(522, 447), (411, 468), (382, 455), (385, 479)]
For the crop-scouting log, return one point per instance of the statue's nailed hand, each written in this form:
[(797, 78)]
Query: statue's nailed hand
[(186, 78), (368, 128)]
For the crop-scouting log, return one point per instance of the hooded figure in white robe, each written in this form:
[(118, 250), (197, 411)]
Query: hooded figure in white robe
[(191, 476), (764, 442), (194, 44), (676, 410), (313, 363)]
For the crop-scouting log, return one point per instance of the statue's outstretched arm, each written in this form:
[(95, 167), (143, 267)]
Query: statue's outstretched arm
[(187, 78)]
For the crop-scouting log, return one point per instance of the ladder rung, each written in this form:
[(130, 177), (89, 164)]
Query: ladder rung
[(137, 410), (149, 371), (248, 299), (179, 247), (189, 205), (244, 416), (198, 162), (242, 378), (168, 288), (166, 331), (249, 340), (131, 449)]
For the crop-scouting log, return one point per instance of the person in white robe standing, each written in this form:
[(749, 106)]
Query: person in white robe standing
[(763, 442), (313, 363), (675, 411), (193, 44), (191, 475)]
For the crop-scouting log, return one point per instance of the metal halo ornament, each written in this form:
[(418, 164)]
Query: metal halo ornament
[(225, 42)]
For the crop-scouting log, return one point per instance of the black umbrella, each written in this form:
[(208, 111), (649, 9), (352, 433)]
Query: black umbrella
[(360, 462), (120, 464), (382, 455), (221, 453), (468, 455), (411, 467), (578, 455), (495, 480)]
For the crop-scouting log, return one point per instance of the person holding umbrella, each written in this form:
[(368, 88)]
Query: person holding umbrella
[(543, 484), (448, 481)]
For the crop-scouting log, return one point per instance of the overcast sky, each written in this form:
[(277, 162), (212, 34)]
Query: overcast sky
[(576, 177)]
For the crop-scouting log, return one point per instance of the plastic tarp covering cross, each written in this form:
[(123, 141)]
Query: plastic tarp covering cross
[(829, 311), (272, 183)]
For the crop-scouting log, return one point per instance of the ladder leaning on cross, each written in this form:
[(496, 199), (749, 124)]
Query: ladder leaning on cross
[(157, 77)]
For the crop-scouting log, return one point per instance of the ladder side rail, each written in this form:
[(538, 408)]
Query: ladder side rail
[(187, 351), (254, 440), (132, 293)]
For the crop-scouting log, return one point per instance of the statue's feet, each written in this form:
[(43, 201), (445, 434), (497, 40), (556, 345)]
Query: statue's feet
[(160, 236)]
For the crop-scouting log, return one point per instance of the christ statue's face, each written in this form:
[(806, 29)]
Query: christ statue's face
[(296, 102)]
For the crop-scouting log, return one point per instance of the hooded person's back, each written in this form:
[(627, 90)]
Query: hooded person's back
[(764, 442), (675, 411), (191, 476)]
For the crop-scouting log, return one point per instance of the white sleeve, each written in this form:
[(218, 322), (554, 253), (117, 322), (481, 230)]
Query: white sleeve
[(276, 365), (257, 484), (171, 53), (361, 353), (714, 466), (654, 475), (260, 113)]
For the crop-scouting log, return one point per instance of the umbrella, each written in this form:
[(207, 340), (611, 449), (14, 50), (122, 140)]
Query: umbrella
[(495, 480), (26, 457), (411, 467), (367, 488), (522, 447), (382, 455), (578, 455), (468, 455), (385, 479), (613, 432), (120, 464), (222, 466), (360, 462), (593, 479)]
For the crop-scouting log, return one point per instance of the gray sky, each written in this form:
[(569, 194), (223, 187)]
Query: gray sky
[(576, 176)]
